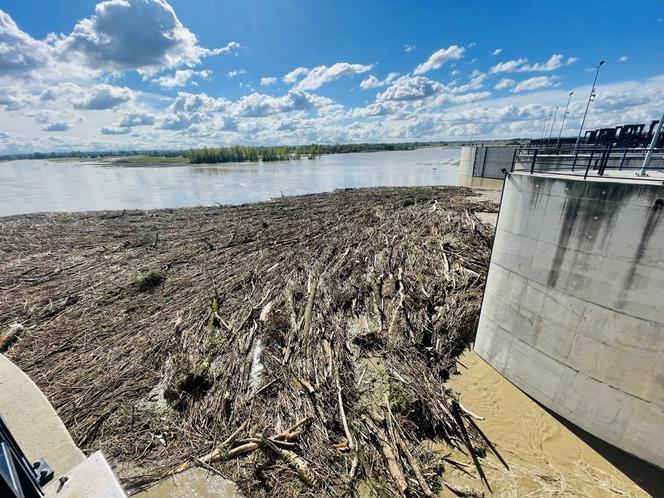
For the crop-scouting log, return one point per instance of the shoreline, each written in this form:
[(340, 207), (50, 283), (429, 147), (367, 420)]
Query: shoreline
[(486, 194)]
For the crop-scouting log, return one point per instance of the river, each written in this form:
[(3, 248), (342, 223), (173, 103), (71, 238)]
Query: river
[(29, 186)]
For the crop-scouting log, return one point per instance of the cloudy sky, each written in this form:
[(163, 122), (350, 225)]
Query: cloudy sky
[(88, 75)]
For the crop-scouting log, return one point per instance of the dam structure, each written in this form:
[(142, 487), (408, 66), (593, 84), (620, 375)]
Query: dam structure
[(573, 311)]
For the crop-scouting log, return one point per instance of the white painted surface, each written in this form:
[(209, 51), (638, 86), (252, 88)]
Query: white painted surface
[(91, 478)]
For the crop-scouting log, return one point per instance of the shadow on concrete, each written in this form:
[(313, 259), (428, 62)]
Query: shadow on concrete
[(645, 475)]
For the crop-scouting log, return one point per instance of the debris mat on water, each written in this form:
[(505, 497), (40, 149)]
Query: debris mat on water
[(298, 346)]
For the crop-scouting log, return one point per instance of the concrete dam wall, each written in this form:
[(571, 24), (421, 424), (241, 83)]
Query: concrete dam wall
[(573, 312), (486, 161)]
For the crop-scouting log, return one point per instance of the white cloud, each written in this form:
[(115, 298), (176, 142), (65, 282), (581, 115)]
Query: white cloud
[(47, 95), (554, 62), (104, 97), (141, 35), (408, 48), (476, 81), (136, 119), (56, 126), (373, 82), (231, 47), (11, 99), (497, 51), (60, 91), (180, 121), (440, 57), (237, 72), (258, 105), (318, 76), (372, 110), (507, 66), (180, 77), (536, 83), (295, 75), (228, 123), (112, 130), (622, 58), (268, 80), (53, 95), (504, 83), (370, 82), (20, 54), (189, 102), (409, 88), (521, 65)]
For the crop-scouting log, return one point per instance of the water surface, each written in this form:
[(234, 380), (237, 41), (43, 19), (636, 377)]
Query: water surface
[(30, 186)]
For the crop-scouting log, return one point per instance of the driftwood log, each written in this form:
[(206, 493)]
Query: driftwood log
[(299, 347)]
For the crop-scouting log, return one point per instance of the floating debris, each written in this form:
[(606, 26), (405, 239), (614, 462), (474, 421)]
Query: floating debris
[(301, 345)]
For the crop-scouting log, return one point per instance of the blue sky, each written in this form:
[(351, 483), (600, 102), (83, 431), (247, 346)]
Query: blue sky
[(151, 73)]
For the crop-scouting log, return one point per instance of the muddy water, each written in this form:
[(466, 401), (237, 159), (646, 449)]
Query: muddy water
[(194, 483), (545, 457), (29, 186)]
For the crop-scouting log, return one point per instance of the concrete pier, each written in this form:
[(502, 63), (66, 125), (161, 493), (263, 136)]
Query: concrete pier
[(573, 311), (486, 161)]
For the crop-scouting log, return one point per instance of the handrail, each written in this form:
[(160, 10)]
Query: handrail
[(588, 160)]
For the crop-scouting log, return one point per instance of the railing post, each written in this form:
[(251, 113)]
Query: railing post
[(590, 161), (623, 159), (513, 160), (532, 165), (576, 155), (605, 160)]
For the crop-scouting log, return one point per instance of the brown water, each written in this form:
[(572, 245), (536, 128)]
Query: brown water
[(545, 456), (30, 186)]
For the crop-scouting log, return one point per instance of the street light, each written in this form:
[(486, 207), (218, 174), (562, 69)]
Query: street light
[(590, 99), (546, 125), (553, 123), (564, 116)]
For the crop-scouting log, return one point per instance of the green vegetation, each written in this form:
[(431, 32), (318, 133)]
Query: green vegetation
[(284, 153), (147, 160), (242, 153), (142, 239), (237, 154), (397, 396), (147, 278)]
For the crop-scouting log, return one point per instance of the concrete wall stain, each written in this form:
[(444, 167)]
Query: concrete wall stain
[(570, 213), (585, 215), (654, 218)]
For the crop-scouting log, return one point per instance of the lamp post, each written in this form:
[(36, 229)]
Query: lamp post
[(553, 123), (590, 99), (546, 125), (560, 134)]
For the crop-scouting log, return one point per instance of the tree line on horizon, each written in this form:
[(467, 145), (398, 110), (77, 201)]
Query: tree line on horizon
[(240, 153)]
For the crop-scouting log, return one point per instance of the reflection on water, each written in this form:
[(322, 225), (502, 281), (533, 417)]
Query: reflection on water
[(39, 185)]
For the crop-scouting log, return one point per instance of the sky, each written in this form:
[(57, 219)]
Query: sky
[(158, 74)]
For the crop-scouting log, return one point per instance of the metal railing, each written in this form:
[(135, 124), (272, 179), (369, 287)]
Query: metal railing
[(585, 161)]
